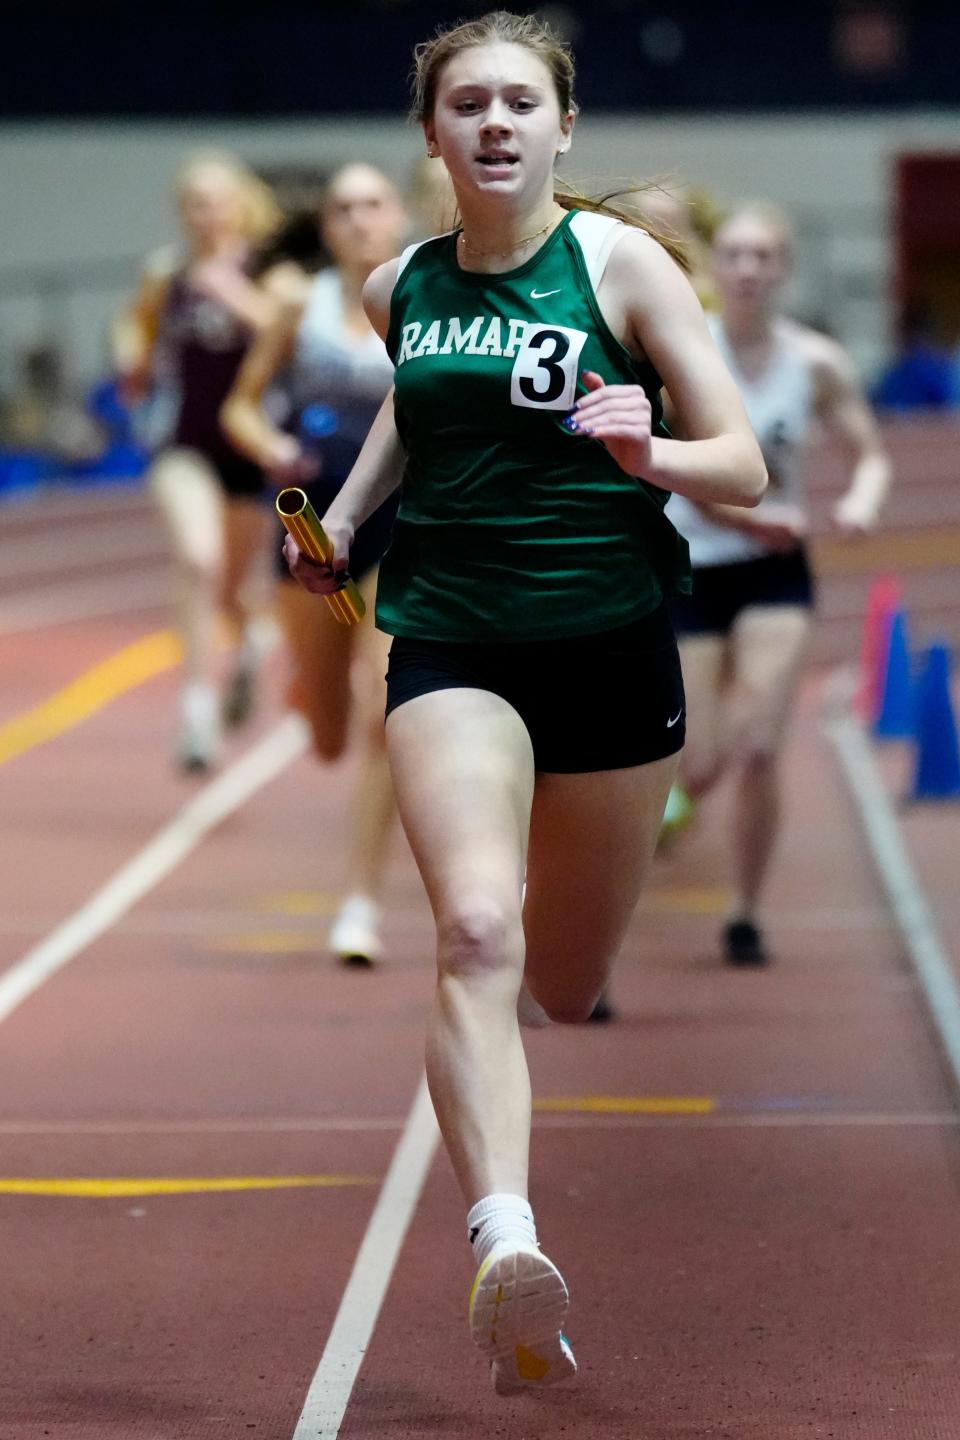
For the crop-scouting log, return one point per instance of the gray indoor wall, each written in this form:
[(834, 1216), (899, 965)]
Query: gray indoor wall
[(82, 203)]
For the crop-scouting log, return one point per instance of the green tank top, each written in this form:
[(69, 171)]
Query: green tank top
[(511, 528)]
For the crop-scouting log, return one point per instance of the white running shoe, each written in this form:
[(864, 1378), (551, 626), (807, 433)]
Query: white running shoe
[(518, 1305), (355, 932), (198, 739)]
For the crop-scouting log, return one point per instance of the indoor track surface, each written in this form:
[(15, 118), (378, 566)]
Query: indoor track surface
[(749, 1180)]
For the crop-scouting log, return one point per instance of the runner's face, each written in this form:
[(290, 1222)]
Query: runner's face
[(497, 121), (363, 221), (750, 263), (211, 207)]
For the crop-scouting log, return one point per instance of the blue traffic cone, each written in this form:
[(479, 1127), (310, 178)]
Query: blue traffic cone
[(895, 718), (937, 773)]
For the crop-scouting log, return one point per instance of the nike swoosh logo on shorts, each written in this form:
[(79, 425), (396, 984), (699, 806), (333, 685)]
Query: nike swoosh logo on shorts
[(671, 723), (542, 294)]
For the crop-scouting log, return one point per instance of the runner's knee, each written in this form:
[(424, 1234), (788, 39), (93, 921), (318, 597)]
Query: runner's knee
[(574, 1009), (328, 742), (479, 939), (568, 986)]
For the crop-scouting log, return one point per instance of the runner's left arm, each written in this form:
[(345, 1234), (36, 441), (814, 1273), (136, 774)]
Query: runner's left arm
[(846, 416)]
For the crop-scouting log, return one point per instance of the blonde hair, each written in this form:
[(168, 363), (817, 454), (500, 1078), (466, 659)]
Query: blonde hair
[(329, 186), (775, 220), (504, 28), (260, 215)]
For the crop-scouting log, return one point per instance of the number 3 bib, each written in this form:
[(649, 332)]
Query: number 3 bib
[(544, 375)]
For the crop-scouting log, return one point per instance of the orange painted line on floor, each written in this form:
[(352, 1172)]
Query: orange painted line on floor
[(626, 1105), (687, 900), (107, 1189), (92, 691), (926, 548), (301, 902), (270, 942)]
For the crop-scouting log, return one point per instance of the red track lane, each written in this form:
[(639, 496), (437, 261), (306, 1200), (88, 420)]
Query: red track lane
[(788, 1266)]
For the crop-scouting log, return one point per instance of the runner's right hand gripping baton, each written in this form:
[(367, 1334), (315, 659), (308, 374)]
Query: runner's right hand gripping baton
[(303, 523)]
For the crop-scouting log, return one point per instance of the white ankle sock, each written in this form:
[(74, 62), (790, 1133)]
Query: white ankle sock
[(496, 1218), (256, 642), (198, 704)]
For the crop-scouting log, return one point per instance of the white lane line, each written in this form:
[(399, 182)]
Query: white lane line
[(867, 1119), (914, 916), (156, 860), (332, 1385)]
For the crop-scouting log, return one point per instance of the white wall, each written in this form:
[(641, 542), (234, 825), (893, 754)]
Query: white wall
[(77, 194)]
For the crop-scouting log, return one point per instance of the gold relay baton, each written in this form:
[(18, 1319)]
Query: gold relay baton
[(303, 523)]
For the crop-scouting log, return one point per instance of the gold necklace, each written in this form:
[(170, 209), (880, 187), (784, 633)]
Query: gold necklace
[(504, 254)]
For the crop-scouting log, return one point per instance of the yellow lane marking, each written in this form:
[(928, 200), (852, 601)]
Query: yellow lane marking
[(687, 900), (301, 902), (627, 1105), (90, 692), (126, 1187), (925, 548), (271, 942)]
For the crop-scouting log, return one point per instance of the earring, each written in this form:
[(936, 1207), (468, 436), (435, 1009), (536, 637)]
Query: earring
[(431, 152)]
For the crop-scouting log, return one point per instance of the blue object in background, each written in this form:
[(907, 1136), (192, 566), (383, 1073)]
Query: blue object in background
[(922, 378), (896, 714), (123, 459), (937, 772), (318, 422), (327, 435), (21, 471)]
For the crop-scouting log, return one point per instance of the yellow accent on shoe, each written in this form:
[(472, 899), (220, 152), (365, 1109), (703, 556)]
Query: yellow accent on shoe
[(517, 1308), (529, 1365), (478, 1282)]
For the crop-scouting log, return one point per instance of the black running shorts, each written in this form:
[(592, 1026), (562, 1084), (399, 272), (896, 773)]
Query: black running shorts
[(239, 478), (596, 702), (721, 592)]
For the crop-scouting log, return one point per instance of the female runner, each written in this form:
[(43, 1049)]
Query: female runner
[(535, 705), (184, 335), (335, 372), (744, 629)]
